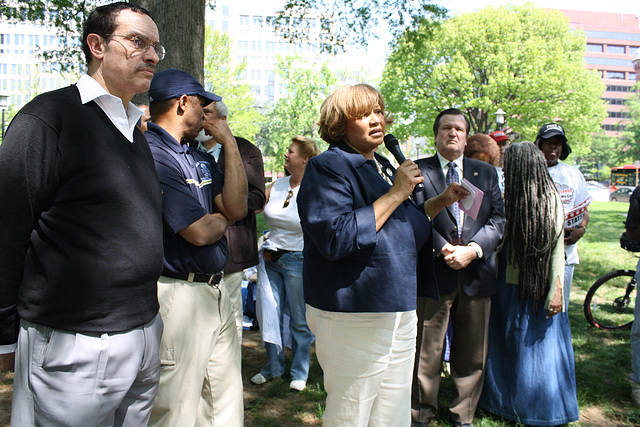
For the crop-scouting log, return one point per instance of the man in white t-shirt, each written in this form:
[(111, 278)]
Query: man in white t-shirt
[(572, 187)]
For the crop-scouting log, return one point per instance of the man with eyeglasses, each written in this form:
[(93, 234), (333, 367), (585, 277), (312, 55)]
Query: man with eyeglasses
[(200, 376), (81, 247)]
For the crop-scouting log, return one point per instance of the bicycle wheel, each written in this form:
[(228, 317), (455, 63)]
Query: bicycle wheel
[(610, 302)]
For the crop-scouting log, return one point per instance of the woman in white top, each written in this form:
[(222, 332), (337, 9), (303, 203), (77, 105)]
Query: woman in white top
[(282, 253)]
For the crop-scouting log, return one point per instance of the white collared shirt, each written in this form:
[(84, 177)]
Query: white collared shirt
[(214, 151), (125, 121), (444, 164)]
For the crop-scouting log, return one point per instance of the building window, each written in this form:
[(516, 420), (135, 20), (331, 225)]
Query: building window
[(256, 46), (615, 101), (258, 21), (34, 40), (311, 24), (615, 49), (615, 75), (4, 39), (243, 45), (271, 21), (631, 76), (225, 25), (225, 10), (613, 128), (244, 22), (618, 114), (615, 88), (593, 47), (18, 39)]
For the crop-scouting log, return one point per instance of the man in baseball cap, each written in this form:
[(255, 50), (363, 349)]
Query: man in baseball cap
[(172, 83), (200, 353), (572, 187)]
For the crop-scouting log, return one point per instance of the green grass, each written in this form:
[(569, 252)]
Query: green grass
[(603, 359)]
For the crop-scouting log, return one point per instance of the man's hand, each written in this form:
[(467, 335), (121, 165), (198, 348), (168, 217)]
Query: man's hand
[(460, 257), (7, 362), (219, 130), (572, 235)]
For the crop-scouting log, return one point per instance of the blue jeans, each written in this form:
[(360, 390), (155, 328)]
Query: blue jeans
[(635, 336), (285, 276)]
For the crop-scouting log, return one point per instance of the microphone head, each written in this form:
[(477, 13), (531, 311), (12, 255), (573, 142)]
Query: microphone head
[(390, 141)]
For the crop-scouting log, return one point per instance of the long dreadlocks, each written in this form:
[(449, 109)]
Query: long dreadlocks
[(531, 203)]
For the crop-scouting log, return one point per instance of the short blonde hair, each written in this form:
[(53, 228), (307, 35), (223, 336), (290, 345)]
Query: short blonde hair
[(348, 103), (307, 147)]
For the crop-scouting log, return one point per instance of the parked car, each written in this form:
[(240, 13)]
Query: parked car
[(621, 195)]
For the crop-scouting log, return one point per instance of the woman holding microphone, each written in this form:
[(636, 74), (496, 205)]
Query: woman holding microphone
[(362, 241)]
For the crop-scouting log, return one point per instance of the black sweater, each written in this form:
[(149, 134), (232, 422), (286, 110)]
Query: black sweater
[(80, 220)]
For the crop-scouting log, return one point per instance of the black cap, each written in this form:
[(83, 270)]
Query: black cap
[(173, 83), (549, 131)]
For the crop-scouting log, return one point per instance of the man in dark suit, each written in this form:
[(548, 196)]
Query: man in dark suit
[(466, 272), (241, 236)]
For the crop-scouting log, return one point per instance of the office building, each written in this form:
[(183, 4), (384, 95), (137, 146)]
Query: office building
[(612, 42)]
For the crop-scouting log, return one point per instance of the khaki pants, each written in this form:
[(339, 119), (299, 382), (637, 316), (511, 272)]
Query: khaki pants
[(233, 284), (200, 378), (367, 359)]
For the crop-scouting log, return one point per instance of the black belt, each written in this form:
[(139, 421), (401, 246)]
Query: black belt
[(212, 279), (274, 256)]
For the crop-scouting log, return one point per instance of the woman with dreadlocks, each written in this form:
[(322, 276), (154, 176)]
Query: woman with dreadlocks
[(530, 374)]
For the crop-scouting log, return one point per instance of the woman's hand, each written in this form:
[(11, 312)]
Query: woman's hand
[(556, 303), (407, 177)]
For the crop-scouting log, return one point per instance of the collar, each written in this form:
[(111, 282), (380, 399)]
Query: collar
[(91, 90), (213, 151), (356, 159), (166, 138), (444, 162)]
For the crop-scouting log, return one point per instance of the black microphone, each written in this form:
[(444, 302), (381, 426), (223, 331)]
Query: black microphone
[(393, 146)]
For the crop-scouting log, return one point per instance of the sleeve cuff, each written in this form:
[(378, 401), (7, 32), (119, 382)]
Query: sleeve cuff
[(478, 249), (9, 348)]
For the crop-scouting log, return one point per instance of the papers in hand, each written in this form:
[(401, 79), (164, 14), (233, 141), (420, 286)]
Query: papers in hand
[(471, 205)]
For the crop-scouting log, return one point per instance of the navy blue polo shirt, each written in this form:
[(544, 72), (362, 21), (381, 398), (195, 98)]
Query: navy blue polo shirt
[(190, 180)]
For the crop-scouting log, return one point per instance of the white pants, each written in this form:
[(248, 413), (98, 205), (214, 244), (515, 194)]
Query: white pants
[(367, 359), (233, 283), (200, 378), (70, 379)]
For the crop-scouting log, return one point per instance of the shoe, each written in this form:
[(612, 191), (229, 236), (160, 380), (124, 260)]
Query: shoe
[(259, 379), (298, 385), (635, 393)]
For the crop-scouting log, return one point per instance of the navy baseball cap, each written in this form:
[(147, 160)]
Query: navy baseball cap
[(549, 131), (173, 83)]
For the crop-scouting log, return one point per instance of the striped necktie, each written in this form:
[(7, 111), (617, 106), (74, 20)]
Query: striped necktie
[(452, 176)]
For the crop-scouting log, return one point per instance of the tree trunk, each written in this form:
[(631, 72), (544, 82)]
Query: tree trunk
[(181, 27)]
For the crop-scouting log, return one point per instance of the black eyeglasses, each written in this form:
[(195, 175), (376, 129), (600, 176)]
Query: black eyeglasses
[(142, 44), (286, 201)]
